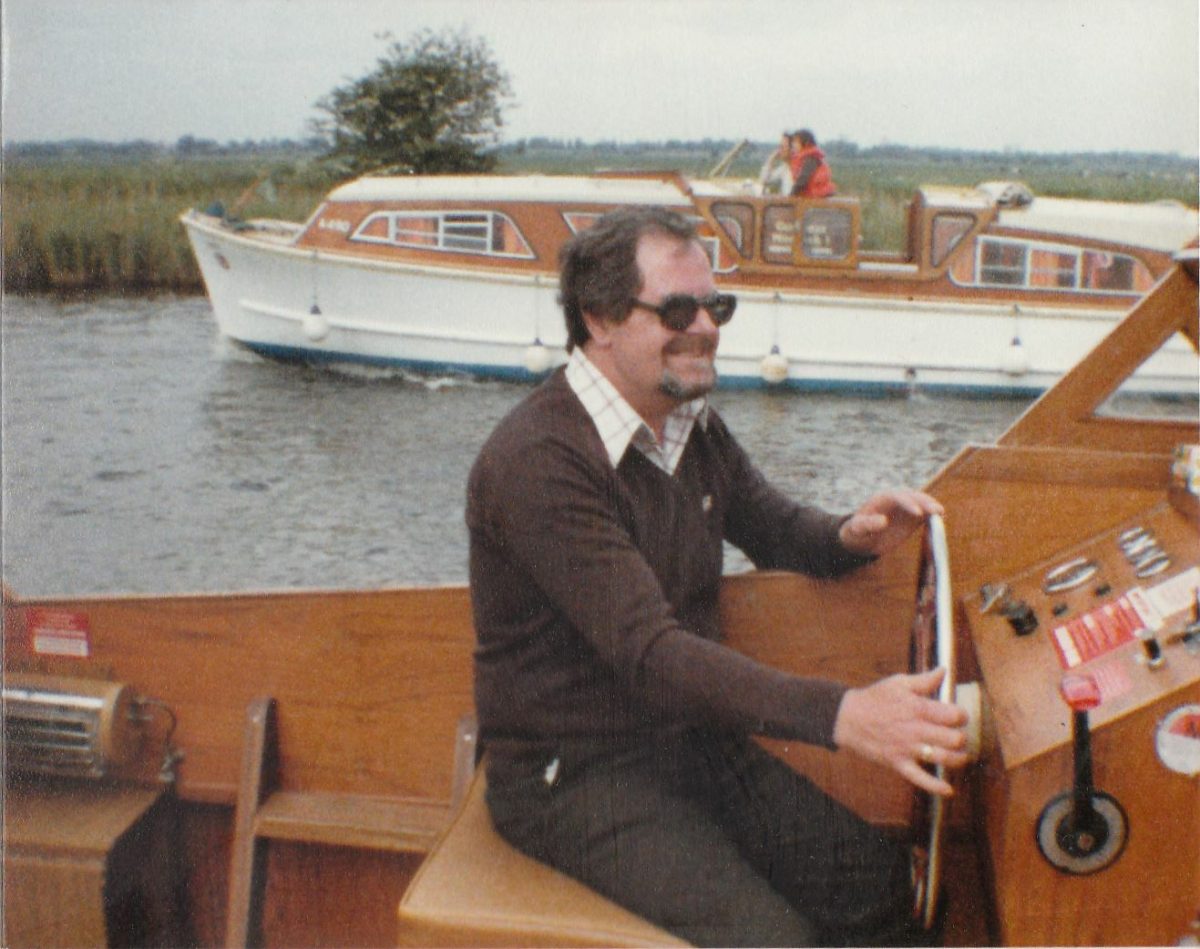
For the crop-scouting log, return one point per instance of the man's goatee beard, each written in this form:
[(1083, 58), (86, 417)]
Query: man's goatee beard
[(671, 385)]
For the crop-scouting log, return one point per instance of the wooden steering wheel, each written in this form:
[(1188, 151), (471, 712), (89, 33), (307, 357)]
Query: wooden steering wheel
[(931, 645)]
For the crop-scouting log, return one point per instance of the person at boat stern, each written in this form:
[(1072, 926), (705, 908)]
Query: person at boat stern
[(811, 177), (617, 728)]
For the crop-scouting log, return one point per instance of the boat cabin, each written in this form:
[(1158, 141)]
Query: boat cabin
[(997, 236), (964, 235)]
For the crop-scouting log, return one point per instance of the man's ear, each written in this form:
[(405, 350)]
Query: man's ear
[(598, 327)]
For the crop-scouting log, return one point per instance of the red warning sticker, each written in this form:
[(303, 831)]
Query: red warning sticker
[(59, 632), (1097, 632)]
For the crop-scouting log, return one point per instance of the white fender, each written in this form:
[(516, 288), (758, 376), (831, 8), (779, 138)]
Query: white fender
[(1015, 361), (774, 368), (315, 326), (537, 358)]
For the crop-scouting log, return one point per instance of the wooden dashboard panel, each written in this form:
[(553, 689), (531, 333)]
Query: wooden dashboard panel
[(1149, 892)]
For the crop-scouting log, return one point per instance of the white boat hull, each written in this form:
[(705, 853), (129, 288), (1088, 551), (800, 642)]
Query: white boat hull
[(291, 303)]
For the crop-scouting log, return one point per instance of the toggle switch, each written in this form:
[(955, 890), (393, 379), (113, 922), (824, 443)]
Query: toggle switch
[(998, 597), (1020, 616), (992, 595), (1151, 650)]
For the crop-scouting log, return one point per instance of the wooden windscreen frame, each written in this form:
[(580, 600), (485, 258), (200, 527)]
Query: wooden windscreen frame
[(1067, 413)]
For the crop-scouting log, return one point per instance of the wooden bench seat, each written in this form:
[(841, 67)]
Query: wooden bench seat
[(474, 889), (402, 825)]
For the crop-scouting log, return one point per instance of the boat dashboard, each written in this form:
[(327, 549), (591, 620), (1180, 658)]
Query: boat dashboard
[(1089, 787)]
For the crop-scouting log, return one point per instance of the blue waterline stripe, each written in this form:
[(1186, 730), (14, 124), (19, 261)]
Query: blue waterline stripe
[(317, 357)]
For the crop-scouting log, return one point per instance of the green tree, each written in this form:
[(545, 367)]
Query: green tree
[(431, 106)]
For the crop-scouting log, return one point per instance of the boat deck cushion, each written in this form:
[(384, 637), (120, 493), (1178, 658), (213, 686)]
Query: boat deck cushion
[(474, 889)]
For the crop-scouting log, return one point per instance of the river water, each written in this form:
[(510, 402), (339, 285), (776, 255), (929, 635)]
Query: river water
[(143, 454)]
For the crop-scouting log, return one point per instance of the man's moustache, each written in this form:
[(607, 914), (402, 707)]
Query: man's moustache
[(691, 346)]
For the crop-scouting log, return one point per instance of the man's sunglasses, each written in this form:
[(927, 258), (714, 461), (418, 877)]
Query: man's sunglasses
[(678, 311)]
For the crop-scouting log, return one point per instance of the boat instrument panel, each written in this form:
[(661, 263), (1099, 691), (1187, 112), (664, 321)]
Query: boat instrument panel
[(1089, 790)]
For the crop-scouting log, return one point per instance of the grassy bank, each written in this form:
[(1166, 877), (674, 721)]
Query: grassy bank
[(72, 225)]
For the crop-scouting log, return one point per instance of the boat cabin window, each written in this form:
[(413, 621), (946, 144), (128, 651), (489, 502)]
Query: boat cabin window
[(948, 230), (737, 221), (827, 233), (580, 220), (779, 228), (1105, 271), (1002, 263), (720, 259), (823, 234), (471, 232), (1039, 265)]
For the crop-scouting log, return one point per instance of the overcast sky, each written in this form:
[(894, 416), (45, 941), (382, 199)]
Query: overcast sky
[(1041, 75)]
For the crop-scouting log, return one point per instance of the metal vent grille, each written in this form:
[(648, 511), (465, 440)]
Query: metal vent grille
[(53, 733), (75, 728)]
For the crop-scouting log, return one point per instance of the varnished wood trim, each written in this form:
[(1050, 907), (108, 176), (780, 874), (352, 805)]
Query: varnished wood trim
[(1058, 465)]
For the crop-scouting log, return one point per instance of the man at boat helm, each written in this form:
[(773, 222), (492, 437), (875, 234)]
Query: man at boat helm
[(775, 176), (617, 728)]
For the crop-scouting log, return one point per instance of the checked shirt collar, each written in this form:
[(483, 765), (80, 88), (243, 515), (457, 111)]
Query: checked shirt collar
[(618, 423)]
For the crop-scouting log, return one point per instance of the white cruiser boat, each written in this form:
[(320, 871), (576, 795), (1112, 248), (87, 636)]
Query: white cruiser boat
[(997, 291)]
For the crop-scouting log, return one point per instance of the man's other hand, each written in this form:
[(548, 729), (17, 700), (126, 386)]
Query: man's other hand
[(886, 520), (896, 722)]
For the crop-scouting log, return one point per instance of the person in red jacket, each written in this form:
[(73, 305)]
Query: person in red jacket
[(811, 177)]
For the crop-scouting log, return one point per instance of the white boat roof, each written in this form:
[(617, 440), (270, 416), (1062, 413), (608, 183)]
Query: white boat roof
[(1160, 225), (579, 189)]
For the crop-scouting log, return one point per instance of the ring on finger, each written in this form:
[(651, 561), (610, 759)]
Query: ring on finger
[(925, 752)]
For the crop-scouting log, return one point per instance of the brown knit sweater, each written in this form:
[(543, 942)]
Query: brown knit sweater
[(595, 590)]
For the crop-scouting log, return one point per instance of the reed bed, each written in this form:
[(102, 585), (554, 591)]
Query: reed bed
[(72, 225), (115, 228)]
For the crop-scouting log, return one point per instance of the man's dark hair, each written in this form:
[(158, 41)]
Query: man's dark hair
[(805, 137), (598, 271)]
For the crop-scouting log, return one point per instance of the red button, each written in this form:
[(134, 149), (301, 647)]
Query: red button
[(1080, 692)]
